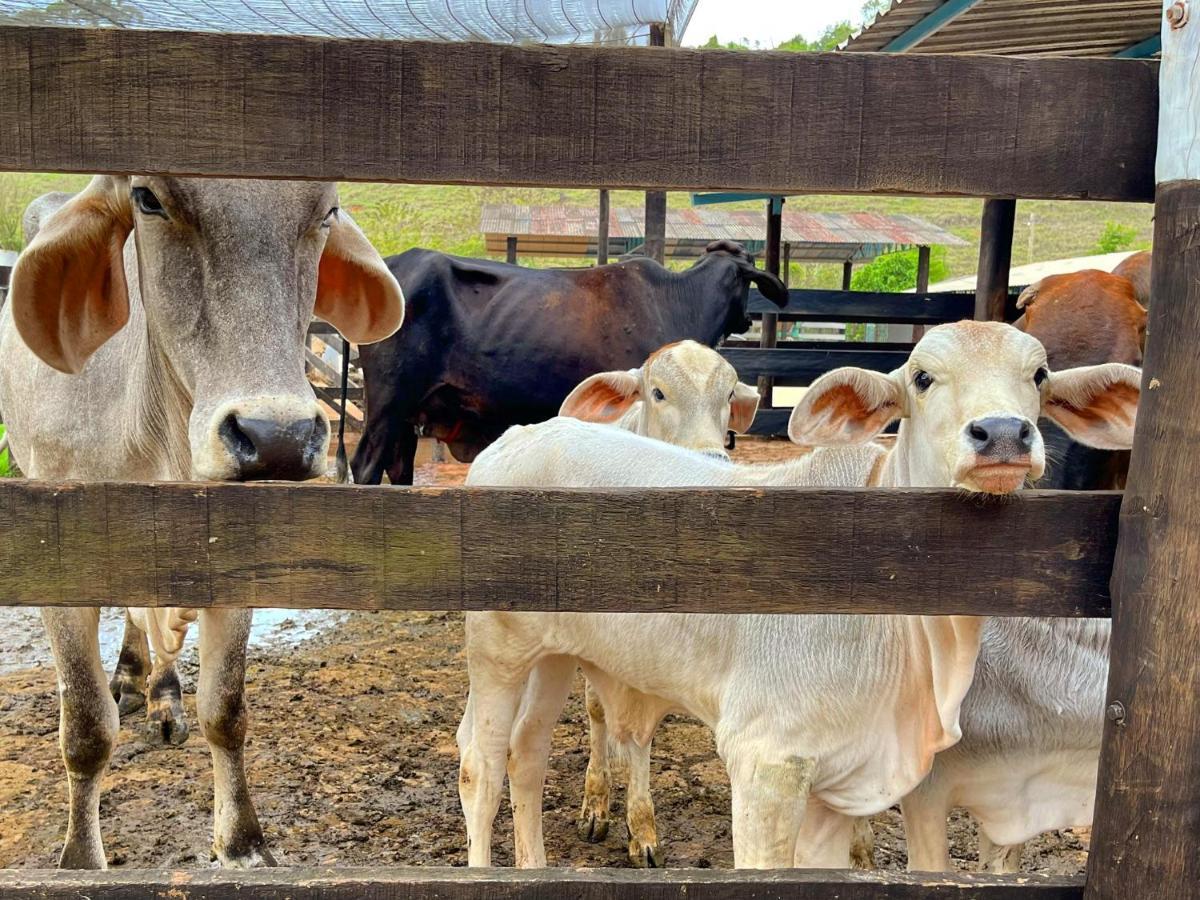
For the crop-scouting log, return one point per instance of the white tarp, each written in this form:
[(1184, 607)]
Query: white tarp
[(501, 21)]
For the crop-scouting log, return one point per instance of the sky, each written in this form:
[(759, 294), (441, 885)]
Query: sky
[(768, 22)]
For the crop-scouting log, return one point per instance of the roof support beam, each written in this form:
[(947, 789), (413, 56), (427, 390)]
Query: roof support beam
[(1142, 49), (923, 28)]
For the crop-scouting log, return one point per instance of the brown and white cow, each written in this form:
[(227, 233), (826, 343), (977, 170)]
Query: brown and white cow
[(155, 331)]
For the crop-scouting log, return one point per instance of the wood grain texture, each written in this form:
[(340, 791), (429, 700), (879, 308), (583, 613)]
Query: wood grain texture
[(1148, 802), (326, 546), (114, 100), (513, 884), (995, 259), (802, 367)]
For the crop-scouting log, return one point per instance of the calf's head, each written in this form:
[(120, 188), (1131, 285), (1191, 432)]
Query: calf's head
[(736, 272), (969, 398), (229, 274), (685, 394)]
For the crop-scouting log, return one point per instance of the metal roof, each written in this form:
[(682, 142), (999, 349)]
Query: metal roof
[(1015, 28), (825, 237), (501, 21)]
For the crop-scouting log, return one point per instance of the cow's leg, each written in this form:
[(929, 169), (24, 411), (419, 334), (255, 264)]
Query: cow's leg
[(221, 703), (862, 844), (825, 838), (769, 801), (597, 782), (545, 694), (639, 807), (128, 684), (402, 467), (999, 859), (166, 722), (88, 724), (483, 740), (925, 811), (372, 456)]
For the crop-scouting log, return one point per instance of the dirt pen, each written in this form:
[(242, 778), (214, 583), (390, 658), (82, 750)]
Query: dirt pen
[(125, 101)]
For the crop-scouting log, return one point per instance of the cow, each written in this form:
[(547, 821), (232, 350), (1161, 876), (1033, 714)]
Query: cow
[(687, 395), (155, 332), (489, 345), (817, 718), (1136, 268), (1032, 721)]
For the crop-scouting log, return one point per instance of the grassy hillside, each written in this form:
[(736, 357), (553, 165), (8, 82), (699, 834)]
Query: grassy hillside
[(396, 217)]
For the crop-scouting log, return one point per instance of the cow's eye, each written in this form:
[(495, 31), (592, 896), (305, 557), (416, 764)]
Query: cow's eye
[(1040, 376), (922, 381), (147, 203), (657, 394), (330, 218)]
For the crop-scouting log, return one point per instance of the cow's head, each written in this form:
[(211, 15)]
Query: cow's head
[(737, 273), (685, 394), (970, 397), (1085, 318), (229, 273)]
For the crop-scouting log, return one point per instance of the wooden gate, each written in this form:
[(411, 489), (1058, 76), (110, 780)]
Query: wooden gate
[(253, 106)]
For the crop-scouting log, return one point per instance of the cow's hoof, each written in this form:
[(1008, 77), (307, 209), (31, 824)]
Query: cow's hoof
[(82, 855), (645, 856), (592, 826), (257, 857), (165, 728), (129, 695)]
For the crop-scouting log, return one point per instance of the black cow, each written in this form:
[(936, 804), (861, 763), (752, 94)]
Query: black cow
[(487, 345)]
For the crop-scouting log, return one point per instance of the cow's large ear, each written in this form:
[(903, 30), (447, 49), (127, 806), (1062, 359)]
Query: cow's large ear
[(847, 406), (604, 397), (68, 287), (742, 407), (1096, 405), (356, 293)]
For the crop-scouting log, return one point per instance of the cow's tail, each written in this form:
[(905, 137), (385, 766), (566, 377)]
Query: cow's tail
[(343, 464)]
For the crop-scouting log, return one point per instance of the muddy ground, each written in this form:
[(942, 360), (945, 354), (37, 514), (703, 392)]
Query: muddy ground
[(352, 761)]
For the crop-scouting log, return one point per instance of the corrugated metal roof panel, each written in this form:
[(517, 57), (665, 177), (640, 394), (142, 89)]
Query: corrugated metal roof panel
[(1020, 27)]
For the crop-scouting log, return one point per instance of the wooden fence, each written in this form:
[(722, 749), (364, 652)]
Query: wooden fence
[(127, 101)]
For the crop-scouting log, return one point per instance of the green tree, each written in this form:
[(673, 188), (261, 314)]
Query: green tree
[(713, 44), (896, 272), (872, 8), (830, 38), (1116, 237)]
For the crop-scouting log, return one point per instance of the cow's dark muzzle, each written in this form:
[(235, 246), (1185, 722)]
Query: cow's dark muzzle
[(269, 449)]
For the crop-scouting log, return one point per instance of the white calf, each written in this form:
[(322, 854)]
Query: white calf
[(685, 394), (817, 718)]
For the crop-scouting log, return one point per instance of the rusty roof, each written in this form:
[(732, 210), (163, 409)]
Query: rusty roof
[(813, 236), (1015, 27)]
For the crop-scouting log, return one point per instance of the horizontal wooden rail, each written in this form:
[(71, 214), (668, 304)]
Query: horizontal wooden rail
[(810, 305), (802, 367), (127, 101), (633, 550), (517, 884)]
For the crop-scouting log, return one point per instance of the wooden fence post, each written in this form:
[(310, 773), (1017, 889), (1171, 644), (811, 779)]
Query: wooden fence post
[(918, 331), (995, 256), (770, 321), (602, 230), (510, 249), (1147, 831), (656, 201)]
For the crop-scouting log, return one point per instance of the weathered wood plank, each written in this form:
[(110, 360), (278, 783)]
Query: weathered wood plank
[(327, 546), (515, 884), (995, 259), (1148, 799), (119, 100), (802, 367)]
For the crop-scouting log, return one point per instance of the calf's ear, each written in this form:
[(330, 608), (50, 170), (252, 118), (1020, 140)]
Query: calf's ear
[(847, 406), (742, 408), (68, 289), (1096, 405), (604, 397), (356, 293)]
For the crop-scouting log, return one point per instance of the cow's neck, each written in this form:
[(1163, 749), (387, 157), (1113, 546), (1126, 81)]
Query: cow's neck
[(704, 310), (157, 431)]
